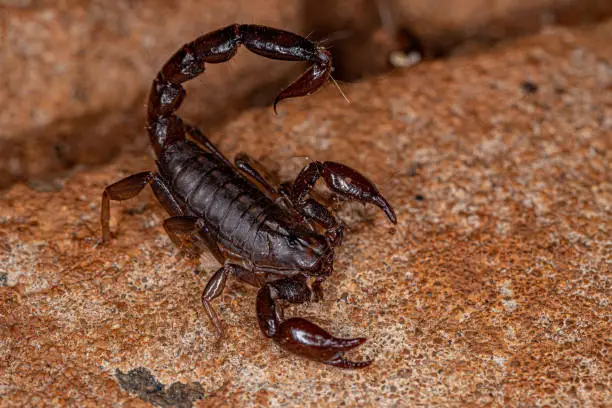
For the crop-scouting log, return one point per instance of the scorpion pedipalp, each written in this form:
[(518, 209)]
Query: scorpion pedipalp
[(342, 180), (298, 335), (304, 338)]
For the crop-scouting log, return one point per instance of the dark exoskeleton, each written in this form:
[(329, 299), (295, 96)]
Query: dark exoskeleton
[(264, 236)]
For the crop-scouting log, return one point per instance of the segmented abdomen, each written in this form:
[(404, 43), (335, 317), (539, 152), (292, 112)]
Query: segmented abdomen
[(233, 208)]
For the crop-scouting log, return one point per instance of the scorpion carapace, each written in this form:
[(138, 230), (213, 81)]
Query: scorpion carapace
[(278, 239)]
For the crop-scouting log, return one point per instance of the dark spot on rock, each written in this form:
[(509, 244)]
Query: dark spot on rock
[(3, 279), (61, 151), (529, 87), (141, 382), (419, 197), (344, 297), (45, 186), (412, 170)]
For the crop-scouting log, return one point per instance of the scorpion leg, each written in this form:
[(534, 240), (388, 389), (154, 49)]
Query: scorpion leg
[(201, 138), (243, 161), (129, 187), (297, 335), (213, 289), (343, 181), (248, 165), (181, 230), (188, 225), (311, 209)]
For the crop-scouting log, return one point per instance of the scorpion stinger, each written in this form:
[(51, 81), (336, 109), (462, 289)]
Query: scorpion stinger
[(280, 240), (308, 82)]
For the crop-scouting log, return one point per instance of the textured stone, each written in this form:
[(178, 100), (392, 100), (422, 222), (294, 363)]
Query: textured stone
[(77, 72), (494, 288), (365, 31)]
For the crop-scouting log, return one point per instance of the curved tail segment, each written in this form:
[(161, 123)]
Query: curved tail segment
[(166, 128)]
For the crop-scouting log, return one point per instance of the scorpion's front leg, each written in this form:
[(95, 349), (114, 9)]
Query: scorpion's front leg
[(312, 210), (341, 180), (200, 138), (298, 335), (213, 289)]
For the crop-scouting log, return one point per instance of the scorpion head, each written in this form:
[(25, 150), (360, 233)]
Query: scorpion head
[(299, 250), (311, 253)]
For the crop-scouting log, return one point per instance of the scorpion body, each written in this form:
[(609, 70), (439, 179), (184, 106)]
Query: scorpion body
[(236, 215), (279, 240)]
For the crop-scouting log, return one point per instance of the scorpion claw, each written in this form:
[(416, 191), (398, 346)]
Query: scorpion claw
[(352, 184), (304, 338)]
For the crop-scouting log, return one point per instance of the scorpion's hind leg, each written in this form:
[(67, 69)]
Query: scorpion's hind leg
[(182, 232), (243, 161), (213, 289), (297, 335), (341, 180), (182, 228), (127, 188)]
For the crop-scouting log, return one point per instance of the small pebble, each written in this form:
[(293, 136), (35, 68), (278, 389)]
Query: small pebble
[(529, 87)]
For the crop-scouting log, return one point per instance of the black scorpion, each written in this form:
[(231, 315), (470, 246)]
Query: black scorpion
[(280, 240)]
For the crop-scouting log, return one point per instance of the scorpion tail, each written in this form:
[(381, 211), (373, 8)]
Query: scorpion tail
[(166, 128)]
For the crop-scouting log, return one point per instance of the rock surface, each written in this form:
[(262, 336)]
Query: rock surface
[(494, 288), (75, 73), (365, 32)]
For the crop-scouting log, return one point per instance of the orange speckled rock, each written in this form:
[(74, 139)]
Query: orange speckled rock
[(493, 289)]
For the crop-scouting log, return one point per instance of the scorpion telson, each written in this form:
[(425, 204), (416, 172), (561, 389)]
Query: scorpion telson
[(278, 239)]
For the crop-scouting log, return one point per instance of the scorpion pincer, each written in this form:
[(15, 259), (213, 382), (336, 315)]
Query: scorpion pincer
[(278, 239)]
